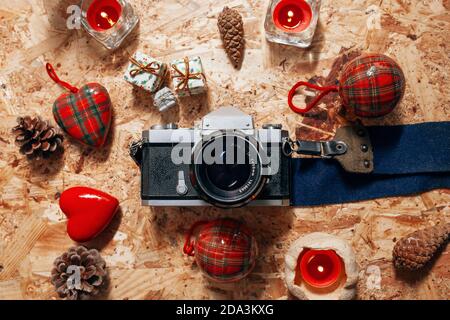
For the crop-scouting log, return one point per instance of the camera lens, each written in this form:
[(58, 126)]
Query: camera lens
[(227, 170), (228, 176)]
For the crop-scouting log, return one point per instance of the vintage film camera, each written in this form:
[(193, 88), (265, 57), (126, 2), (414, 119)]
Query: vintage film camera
[(225, 161)]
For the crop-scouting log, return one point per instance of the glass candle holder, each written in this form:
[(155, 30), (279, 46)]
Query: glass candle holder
[(292, 22), (108, 21)]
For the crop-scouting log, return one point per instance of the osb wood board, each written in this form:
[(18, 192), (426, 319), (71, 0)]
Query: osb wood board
[(143, 246)]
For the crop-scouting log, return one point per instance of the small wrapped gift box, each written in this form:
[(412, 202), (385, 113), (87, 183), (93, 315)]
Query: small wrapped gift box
[(188, 77), (164, 99), (145, 72)]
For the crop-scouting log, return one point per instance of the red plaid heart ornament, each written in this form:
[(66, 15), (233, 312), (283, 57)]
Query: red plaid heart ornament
[(85, 114), (371, 85), (224, 249)]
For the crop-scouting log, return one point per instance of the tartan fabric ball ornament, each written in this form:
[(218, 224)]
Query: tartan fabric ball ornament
[(371, 85), (224, 249), (85, 114)]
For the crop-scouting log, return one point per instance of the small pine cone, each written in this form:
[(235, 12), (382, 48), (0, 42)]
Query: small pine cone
[(231, 28), (37, 138), (416, 249), (79, 273)]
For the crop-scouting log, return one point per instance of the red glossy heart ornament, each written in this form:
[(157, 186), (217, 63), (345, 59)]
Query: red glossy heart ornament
[(89, 212), (85, 113)]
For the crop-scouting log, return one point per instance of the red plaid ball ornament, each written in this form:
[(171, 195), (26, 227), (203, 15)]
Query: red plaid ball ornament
[(371, 85), (224, 249), (85, 114)]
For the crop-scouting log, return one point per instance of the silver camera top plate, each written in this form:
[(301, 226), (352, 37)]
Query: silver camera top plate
[(223, 119), (226, 118)]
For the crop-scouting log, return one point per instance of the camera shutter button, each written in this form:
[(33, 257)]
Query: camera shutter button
[(276, 126), (169, 126), (182, 188)]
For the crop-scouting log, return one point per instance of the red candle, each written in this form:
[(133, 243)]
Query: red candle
[(320, 268), (103, 14), (292, 15)]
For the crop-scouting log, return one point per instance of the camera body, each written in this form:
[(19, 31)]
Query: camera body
[(222, 161)]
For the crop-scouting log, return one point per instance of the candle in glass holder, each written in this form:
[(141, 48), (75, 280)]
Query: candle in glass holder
[(292, 22), (108, 21), (320, 268), (103, 14), (292, 15)]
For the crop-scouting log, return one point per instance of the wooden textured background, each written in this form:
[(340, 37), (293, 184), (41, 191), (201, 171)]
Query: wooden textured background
[(143, 245)]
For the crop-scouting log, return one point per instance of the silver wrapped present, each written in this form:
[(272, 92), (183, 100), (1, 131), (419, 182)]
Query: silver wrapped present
[(164, 99)]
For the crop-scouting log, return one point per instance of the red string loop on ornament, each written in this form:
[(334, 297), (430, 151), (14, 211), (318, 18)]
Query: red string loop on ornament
[(315, 102), (52, 74), (189, 244)]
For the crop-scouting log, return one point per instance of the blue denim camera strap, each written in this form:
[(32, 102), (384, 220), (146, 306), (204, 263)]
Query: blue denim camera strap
[(408, 159)]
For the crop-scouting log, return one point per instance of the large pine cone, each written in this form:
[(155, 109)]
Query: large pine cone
[(38, 139), (416, 249), (231, 29), (79, 273)]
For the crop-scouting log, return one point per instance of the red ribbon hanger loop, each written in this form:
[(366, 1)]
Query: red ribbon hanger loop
[(52, 74), (189, 244), (324, 91)]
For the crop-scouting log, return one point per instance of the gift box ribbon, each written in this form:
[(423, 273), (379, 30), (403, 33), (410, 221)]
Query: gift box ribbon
[(152, 67), (186, 76)]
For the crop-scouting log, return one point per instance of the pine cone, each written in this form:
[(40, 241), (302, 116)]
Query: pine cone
[(79, 273), (38, 139), (416, 249), (231, 29)]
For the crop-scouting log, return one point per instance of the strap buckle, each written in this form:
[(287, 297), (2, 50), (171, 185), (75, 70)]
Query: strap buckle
[(351, 147), (323, 149)]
